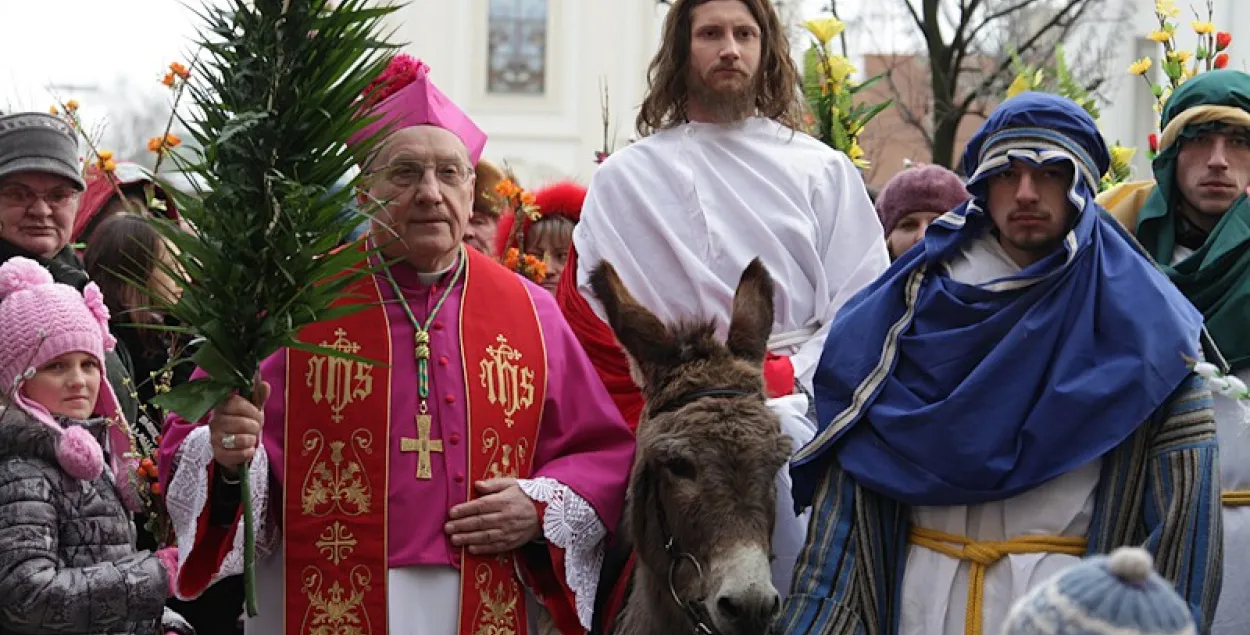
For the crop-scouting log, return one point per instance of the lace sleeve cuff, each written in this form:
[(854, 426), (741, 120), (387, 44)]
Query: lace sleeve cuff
[(187, 500), (571, 524)]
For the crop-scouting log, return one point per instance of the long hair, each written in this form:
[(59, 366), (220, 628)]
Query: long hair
[(777, 79), (125, 248)]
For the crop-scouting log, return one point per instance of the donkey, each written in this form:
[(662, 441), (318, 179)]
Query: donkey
[(701, 501)]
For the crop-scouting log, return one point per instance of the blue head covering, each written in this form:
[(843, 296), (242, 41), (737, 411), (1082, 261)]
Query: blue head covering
[(935, 392)]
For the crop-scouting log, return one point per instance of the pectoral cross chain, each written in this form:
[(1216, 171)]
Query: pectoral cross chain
[(423, 445)]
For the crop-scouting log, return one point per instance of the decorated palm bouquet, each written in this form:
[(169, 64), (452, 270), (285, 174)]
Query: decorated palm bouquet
[(835, 115), (274, 99)]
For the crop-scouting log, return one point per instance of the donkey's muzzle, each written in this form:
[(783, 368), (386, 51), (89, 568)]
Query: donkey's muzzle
[(746, 602), (751, 611)]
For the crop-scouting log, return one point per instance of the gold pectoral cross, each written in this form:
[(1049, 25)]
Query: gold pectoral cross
[(423, 445)]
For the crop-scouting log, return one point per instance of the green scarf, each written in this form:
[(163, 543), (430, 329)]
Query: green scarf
[(1216, 277)]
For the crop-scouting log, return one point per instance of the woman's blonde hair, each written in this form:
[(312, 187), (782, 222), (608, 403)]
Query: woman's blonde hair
[(777, 79)]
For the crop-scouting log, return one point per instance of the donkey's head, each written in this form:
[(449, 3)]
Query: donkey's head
[(702, 498)]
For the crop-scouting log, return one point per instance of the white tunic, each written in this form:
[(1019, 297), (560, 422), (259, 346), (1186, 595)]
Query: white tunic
[(1232, 614), (680, 215), (935, 586)]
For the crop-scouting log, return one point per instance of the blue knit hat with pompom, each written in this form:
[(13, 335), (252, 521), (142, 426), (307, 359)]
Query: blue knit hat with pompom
[(1118, 594)]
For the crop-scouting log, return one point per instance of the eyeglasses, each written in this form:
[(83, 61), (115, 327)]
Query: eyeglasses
[(410, 173), (21, 196)]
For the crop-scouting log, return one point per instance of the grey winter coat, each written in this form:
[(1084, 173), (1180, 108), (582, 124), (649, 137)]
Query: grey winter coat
[(68, 563)]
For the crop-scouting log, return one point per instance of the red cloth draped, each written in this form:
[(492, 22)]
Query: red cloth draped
[(600, 343)]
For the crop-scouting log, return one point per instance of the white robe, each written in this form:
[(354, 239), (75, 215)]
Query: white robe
[(681, 213), (1232, 614), (935, 586)]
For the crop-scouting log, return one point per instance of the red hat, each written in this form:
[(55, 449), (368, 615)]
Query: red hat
[(563, 198)]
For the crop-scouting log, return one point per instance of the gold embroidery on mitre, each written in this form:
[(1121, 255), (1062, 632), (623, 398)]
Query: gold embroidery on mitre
[(505, 459), (497, 613), (336, 380), (508, 384), (340, 484), (336, 543), (337, 611)]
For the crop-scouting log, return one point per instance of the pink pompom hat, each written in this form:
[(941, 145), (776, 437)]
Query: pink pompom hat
[(41, 320)]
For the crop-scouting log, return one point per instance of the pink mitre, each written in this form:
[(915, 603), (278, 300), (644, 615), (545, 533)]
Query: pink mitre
[(408, 98)]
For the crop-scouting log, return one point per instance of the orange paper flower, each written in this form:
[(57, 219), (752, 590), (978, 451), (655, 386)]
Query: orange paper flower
[(179, 70), (71, 105), (53, 110), (507, 188)]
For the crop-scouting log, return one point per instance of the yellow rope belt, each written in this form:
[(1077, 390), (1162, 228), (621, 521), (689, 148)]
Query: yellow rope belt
[(980, 555), (1236, 498)]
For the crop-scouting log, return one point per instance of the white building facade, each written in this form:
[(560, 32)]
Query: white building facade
[(530, 73)]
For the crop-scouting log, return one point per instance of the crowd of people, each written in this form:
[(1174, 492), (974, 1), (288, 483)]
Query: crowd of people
[(1015, 403)]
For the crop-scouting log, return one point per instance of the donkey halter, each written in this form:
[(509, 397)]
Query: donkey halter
[(696, 615)]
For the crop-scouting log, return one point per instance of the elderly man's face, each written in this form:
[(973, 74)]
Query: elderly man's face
[(1212, 170), (424, 180), (480, 233), (37, 211), (1029, 206)]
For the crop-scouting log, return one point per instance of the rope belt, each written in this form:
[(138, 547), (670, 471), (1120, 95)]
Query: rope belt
[(1236, 498), (981, 555)]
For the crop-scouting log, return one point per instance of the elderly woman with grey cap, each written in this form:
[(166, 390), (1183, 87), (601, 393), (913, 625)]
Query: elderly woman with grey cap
[(40, 183), (912, 199)]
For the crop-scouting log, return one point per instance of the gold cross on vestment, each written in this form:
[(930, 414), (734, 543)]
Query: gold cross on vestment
[(423, 445)]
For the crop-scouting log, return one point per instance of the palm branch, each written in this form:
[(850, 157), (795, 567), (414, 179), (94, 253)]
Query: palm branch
[(275, 96)]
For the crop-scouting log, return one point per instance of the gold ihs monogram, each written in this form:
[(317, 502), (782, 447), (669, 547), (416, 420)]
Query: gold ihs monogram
[(508, 384), (339, 381)]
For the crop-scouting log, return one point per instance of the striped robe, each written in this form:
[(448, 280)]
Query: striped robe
[(1159, 489)]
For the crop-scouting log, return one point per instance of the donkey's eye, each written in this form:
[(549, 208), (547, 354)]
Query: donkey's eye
[(681, 468)]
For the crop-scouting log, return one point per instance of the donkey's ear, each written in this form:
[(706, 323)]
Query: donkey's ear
[(639, 331), (752, 320)]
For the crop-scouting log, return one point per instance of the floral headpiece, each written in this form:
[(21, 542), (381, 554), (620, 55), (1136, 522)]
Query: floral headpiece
[(522, 205)]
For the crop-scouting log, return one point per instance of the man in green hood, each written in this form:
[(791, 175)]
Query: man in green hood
[(1194, 220)]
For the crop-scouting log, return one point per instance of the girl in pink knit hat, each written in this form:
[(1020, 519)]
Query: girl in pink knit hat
[(69, 563)]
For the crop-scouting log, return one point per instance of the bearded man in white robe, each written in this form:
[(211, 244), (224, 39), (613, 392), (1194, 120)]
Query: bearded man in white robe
[(719, 177)]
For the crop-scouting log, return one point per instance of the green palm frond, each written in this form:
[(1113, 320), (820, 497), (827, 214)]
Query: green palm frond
[(274, 97)]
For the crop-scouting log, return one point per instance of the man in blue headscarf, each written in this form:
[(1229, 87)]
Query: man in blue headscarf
[(1012, 394)]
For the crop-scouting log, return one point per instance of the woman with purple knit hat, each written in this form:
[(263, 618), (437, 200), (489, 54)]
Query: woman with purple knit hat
[(912, 199)]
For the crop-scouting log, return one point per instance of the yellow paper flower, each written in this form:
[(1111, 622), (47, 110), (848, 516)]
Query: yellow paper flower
[(824, 29), (53, 110), (840, 68), (1140, 66), (1159, 36), (71, 105), (1120, 155), (1203, 28), (1167, 8), (856, 155), (1019, 85)]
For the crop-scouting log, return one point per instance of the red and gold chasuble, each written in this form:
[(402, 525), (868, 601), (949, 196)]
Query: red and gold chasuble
[(338, 414)]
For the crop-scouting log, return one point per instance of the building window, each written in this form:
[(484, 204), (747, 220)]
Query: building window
[(517, 59)]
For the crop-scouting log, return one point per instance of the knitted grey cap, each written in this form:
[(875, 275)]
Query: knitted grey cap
[(39, 142)]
